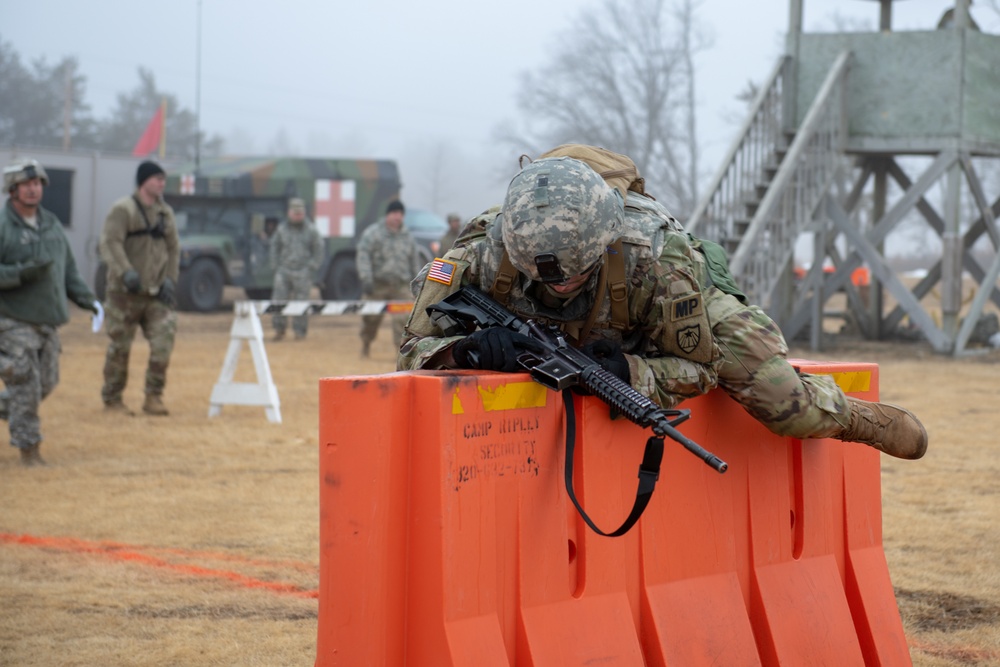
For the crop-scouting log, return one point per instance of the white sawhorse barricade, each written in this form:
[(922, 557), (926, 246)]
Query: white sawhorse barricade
[(247, 328)]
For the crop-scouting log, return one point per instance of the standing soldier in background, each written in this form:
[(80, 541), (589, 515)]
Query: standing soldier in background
[(296, 255), (454, 227), (140, 246), (388, 258), (37, 274)]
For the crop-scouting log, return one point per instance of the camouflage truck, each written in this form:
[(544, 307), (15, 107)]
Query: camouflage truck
[(224, 214)]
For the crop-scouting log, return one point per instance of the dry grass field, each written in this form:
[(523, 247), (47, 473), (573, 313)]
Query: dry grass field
[(194, 541)]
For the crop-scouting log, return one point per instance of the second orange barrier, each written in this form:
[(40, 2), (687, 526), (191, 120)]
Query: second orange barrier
[(447, 537)]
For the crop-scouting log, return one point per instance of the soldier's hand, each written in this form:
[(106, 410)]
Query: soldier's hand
[(31, 271), (131, 281), (167, 293), (610, 356), (493, 349)]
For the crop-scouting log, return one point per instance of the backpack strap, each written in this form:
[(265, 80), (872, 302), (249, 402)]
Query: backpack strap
[(502, 284), (617, 285), (612, 280)]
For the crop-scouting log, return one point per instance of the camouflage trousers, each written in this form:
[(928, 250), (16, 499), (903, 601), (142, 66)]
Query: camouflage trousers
[(125, 313), (29, 367), (371, 323), (290, 286), (754, 371)]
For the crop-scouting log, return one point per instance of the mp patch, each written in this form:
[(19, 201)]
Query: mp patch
[(689, 305)]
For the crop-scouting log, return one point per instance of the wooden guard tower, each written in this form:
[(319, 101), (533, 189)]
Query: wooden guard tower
[(815, 157)]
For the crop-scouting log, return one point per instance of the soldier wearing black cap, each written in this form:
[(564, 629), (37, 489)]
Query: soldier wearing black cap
[(140, 246)]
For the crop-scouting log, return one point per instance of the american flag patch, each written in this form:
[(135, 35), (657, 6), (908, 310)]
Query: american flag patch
[(442, 271)]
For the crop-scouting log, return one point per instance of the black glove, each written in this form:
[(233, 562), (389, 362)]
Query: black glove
[(31, 271), (493, 349), (610, 356), (167, 292), (131, 281)]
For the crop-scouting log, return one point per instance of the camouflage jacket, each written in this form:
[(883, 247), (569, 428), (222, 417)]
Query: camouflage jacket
[(42, 301), (448, 240), (388, 258), (297, 248), (665, 274), (126, 244)]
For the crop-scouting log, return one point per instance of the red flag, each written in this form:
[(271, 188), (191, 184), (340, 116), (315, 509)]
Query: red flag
[(151, 139)]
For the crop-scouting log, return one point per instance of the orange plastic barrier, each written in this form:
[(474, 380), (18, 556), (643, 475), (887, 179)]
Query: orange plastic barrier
[(447, 537)]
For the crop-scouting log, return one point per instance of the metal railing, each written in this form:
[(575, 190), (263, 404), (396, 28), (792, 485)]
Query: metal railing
[(767, 191), (799, 186), (721, 215)]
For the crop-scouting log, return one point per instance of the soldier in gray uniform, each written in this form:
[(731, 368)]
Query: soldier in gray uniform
[(37, 275), (387, 258), (139, 243), (650, 304), (296, 255)]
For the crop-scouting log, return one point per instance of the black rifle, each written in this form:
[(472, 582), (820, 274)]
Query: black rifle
[(561, 367)]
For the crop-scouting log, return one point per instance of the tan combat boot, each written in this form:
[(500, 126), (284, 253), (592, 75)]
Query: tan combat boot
[(31, 457), (888, 428), (154, 406), (118, 407)]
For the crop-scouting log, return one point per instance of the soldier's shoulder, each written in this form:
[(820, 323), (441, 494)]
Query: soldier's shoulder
[(48, 216), (167, 208), (126, 203)]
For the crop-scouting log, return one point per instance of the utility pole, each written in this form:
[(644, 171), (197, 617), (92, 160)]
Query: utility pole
[(68, 108), (197, 99)]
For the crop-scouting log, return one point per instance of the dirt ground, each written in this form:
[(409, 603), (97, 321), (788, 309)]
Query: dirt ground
[(194, 541)]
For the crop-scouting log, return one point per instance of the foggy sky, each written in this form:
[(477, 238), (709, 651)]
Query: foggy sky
[(391, 78)]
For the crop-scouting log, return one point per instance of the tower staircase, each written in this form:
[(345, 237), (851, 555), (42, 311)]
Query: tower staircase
[(772, 187)]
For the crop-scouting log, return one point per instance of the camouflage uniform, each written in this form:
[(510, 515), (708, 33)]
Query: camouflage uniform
[(296, 255), (450, 236), (30, 313), (126, 244), (684, 334), (387, 261)]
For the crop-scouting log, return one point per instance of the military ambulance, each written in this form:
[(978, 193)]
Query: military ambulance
[(227, 210)]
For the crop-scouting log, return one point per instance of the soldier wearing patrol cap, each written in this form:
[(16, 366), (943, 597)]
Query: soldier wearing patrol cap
[(37, 275), (387, 260), (638, 295), (296, 255), (450, 236)]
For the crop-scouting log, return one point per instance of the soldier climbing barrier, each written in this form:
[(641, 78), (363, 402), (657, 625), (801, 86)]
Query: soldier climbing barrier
[(247, 329), (447, 538)]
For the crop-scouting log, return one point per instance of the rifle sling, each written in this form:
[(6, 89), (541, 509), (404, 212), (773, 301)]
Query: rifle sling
[(649, 473)]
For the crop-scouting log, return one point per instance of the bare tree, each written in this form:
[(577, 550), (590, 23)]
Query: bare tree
[(622, 77)]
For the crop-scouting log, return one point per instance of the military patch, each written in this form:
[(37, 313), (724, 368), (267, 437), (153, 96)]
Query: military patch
[(686, 306), (442, 271), (688, 338)]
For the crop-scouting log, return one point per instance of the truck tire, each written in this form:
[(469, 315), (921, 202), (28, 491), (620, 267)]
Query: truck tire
[(342, 281), (200, 286)]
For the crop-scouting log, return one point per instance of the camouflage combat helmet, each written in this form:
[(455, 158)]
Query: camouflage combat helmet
[(558, 218), (21, 171)]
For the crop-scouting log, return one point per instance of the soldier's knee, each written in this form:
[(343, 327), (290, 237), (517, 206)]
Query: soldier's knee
[(15, 369)]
